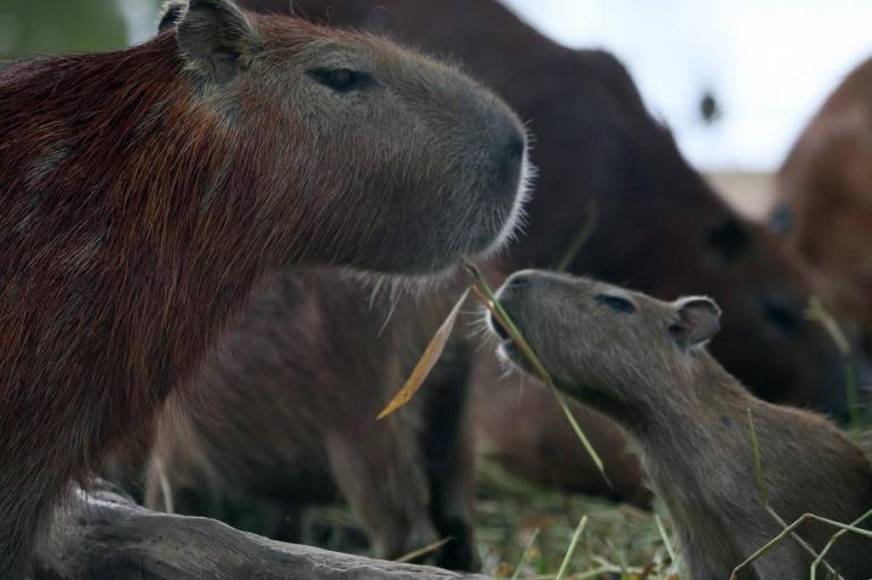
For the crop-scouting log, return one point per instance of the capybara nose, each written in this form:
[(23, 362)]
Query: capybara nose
[(518, 281), (509, 152), (516, 146)]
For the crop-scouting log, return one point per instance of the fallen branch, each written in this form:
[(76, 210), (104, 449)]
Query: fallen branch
[(104, 535)]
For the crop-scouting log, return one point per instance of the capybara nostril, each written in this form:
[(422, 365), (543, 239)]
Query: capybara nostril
[(509, 161), (518, 282), (516, 147)]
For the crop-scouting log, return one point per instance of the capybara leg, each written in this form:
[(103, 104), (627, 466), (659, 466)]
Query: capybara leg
[(30, 485), (450, 459), (378, 471)]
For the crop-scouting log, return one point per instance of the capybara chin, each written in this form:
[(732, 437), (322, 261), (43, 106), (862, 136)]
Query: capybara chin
[(145, 193), (644, 363)]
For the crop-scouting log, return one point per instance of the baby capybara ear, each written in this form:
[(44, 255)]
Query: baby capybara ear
[(171, 14), (213, 34), (699, 321)]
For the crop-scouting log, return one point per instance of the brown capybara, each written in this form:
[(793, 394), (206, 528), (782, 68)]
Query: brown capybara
[(659, 226), (146, 192), (286, 418), (644, 363), (824, 192)]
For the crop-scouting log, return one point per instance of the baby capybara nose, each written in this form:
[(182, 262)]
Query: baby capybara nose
[(517, 281)]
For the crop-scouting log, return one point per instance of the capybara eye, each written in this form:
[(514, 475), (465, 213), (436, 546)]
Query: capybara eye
[(729, 241), (342, 80), (616, 303)]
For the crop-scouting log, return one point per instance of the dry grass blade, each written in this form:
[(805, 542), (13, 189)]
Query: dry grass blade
[(427, 362), (816, 312), (788, 530), (483, 292), (817, 561), (526, 557), (564, 566), (665, 537), (580, 239), (758, 460), (428, 549)]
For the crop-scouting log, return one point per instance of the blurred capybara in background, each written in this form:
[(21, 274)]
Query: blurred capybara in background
[(657, 225), (644, 363), (287, 412), (824, 192), (146, 192)]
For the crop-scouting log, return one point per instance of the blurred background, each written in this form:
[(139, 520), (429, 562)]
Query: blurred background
[(735, 79)]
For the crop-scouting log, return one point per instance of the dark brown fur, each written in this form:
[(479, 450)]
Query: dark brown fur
[(286, 416), (643, 362), (147, 191), (824, 192)]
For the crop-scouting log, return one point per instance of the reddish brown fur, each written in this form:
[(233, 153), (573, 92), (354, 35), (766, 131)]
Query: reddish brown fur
[(140, 209), (824, 191)]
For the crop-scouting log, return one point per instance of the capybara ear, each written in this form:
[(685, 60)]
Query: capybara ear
[(213, 34), (699, 321), (171, 14)]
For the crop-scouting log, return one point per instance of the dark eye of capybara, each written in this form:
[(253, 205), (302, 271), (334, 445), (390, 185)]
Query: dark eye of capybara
[(616, 303), (781, 219), (729, 241), (782, 313), (342, 80)]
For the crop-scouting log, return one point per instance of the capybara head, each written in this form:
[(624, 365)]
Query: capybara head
[(429, 164), (603, 344), (824, 193)]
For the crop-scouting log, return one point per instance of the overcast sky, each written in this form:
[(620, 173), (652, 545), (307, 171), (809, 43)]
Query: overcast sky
[(771, 62)]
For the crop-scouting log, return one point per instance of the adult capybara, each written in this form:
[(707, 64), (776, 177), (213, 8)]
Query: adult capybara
[(147, 191), (824, 192), (286, 418), (644, 363), (659, 226)]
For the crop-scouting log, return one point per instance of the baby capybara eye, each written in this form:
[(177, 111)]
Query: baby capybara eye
[(616, 303), (342, 80)]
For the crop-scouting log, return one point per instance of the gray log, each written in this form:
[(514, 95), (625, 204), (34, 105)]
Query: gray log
[(106, 536)]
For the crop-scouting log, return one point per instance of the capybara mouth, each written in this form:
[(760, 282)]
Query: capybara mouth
[(498, 328)]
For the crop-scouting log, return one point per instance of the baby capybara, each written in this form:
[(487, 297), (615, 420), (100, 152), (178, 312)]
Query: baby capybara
[(644, 363), (824, 192), (146, 192)]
